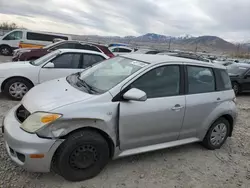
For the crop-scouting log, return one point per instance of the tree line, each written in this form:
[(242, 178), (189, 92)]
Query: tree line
[(9, 26)]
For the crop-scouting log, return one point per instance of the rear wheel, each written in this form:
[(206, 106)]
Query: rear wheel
[(236, 88), (81, 156), (5, 50), (217, 134)]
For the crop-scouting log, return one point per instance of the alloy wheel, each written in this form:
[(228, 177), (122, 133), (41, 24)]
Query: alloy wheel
[(18, 90)]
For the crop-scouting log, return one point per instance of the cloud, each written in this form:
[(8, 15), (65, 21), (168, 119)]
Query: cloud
[(224, 18)]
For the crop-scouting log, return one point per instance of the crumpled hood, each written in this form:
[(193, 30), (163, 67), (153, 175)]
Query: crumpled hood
[(52, 94), (15, 65)]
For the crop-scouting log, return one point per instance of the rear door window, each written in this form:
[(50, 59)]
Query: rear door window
[(67, 61), (200, 80), (91, 59)]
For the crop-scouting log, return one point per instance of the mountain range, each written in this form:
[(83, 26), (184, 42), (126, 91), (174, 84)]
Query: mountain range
[(186, 42)]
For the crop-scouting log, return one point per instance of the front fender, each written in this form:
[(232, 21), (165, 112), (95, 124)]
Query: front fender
[(103, 116)]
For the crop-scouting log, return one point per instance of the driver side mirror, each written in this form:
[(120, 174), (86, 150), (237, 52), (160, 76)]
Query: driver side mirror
[(135, 95), (49, 65)]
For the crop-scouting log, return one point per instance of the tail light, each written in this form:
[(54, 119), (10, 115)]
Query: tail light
[(234, 100)]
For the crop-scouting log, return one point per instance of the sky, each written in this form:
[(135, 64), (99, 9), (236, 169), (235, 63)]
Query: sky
[(228, 19)]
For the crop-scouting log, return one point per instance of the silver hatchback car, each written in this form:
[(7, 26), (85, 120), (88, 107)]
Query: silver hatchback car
[(123, 106)]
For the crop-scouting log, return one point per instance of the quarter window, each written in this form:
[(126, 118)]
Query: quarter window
[(200, 80), (67, 61), (160, 82), (91, 59), (15, 35)]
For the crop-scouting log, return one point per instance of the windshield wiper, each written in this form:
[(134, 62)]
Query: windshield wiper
[(82, 83)]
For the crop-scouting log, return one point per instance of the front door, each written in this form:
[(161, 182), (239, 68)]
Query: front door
[(159, 118), (64, 65)]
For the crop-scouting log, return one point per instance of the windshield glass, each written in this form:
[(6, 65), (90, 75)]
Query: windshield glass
[(45, 58), (236, 69), (107, 74)]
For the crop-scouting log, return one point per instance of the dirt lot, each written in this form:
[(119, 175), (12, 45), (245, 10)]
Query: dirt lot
[(181, 167)]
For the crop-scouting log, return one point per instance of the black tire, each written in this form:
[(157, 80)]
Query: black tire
[(92, 147), (207, 140), (6, 50), (10, 82), (236, 88)]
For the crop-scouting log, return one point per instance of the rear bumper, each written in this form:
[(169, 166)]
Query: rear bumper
[(20, 145)]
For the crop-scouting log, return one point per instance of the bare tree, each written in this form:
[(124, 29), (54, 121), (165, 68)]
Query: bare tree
[(9, 26)]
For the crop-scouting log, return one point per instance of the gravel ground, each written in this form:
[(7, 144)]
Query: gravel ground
[(189, 166)]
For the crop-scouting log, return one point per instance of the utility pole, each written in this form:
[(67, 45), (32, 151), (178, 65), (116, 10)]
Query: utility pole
[(169, 43), (196, 46)]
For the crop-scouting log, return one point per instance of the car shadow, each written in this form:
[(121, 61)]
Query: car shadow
[(129, 162)]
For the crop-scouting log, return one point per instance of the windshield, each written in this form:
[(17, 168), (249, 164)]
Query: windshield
[(107, 74), (236, 69), (45, 58)]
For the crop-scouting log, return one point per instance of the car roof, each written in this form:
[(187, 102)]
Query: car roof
[(82, 51), (156, 59)]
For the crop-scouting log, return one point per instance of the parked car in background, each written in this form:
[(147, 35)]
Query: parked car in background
[(146, 51), (10, 41), (17, 78), (32, 54), (123, 106), (240, 77), (119, 50), (224, 63)]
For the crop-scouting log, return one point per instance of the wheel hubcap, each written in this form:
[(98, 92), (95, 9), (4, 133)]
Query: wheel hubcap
[(5, 51), (218, 134), (83, 157), (18, 90)]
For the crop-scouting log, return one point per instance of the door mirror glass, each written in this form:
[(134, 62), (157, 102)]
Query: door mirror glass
[(135, 95), (49, 65)]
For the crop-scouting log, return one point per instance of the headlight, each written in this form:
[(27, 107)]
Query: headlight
[(37, 120)]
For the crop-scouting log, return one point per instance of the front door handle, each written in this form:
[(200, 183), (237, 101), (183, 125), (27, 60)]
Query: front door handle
[(177, 107)]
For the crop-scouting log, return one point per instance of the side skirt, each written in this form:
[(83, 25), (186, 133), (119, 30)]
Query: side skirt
[(145, 149)]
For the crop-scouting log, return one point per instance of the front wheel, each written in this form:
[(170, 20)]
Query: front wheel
[(81, 156), (217, 134), (16, 88), (5, 50)]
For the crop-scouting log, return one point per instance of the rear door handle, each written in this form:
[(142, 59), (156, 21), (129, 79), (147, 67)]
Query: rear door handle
[(177, 107)]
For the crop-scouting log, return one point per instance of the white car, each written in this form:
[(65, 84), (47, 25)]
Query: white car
[(17, 78), (119, 50)]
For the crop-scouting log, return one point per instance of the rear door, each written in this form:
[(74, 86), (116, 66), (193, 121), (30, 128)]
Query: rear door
[(201, 99), (64, 65)]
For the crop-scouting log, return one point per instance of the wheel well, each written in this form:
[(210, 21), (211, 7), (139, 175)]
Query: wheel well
[(102, 133), (5, 81), (230, 120), (4, 45)]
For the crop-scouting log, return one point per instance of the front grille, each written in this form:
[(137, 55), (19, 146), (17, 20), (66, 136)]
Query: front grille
[(22, 113)]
